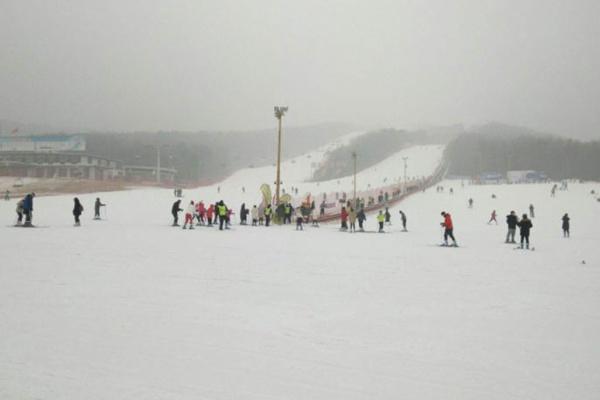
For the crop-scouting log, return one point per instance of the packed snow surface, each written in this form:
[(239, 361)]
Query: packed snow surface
[(132, 308)]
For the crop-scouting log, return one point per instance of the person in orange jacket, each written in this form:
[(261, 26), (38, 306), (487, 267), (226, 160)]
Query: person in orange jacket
[(448, 229)]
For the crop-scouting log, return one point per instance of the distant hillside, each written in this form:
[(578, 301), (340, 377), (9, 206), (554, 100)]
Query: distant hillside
[(210, 156), (373, 148), (499, 148)]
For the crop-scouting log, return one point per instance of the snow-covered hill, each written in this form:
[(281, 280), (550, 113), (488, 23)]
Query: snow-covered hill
[(130, 308)]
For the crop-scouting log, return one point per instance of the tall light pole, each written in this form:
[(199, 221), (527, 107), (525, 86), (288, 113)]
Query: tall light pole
[(354, 197), (158, 164), (279, 113)]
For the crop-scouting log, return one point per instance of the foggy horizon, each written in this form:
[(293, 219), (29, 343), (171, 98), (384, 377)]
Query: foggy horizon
[(200, 66)]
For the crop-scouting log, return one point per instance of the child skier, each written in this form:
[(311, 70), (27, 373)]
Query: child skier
[(493, 218), (189, 215)]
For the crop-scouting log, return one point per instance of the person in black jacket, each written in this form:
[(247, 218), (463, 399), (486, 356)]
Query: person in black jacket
[(175, 212), (525, 226), (403, 217), (77, 210), (511, 221), (566, 225)]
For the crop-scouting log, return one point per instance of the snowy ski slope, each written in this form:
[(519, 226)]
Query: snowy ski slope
[(131, 308)]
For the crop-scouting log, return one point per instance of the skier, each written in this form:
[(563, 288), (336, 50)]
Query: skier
[(175, 212), (287, 216), (493, 218), (380, 220), (268, 214), (254, 215), (77, 210), (299, 219), (470, 203), (28, 209), (200, 212), (352, 219), (553, 191), (209, 215), (525, 226), (261, 214), (7, 195), (566, 225), (315, 221), (511, 221), (388, 216), (97, 206), (448, 229), (361, 219), (403, 217), (322, 209), (531, 211), (189, 215), (344, 219), (222, 213), (20, 211), (243, 214)]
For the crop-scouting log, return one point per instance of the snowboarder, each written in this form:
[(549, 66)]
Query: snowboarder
[(352, 219), (175, 212), (380, 220), (189, 215), (77, 210), (511, 222), (388, 216), (566, 225), (403, 217), (493, 218), (531, 211), (254, 215), (97, 206), (361, 219), (448, 229), (525, 226)]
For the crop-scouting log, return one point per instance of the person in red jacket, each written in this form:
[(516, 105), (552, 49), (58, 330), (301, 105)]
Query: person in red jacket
[(209, 214), (448, 229), (344, 218), (200, 211)]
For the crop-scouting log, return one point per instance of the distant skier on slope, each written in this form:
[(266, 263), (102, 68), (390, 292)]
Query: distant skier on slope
[(97, 206), (525, 226), (352, 219), (403, 218), (175, 209), (511, 222), (470, 203), (77, 210), (388, 216), (361, 219), (493, 218), (380, 220), (448, 229), (566, 224), (531, 211)]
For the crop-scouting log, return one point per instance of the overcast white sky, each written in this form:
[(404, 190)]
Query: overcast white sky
[(202, 65)]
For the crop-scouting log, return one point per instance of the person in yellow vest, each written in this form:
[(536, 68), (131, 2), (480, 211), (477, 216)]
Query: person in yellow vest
[(268, 213), (222, 212), (381, 220)]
